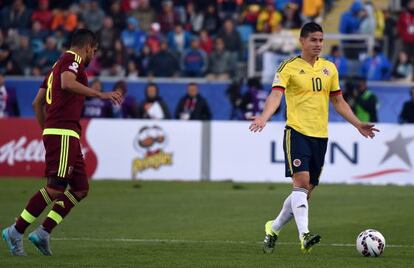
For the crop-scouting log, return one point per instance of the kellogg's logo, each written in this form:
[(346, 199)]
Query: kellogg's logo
[(150, 143), (22, 150)]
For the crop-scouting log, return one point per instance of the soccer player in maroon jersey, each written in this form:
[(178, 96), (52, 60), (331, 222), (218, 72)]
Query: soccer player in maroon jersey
[(58, 106)]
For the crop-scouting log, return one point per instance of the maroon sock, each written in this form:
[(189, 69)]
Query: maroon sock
[(63, 204), (34, 208)]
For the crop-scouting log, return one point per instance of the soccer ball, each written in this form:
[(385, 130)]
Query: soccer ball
[(370, 243)]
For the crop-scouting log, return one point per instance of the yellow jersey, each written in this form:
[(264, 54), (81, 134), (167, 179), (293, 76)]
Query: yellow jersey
[(307, 90)]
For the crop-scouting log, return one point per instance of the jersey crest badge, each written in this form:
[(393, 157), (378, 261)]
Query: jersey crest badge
[(326, 71), (297, 162), (277, 79)]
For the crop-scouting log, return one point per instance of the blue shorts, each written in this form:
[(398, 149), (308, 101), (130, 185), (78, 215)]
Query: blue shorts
[(304, 153)]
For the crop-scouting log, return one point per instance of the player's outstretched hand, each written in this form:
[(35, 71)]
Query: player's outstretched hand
[(114, 96), (367, 130), (258, 124)]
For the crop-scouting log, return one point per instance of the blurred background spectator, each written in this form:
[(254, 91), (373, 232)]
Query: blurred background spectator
[(339, 60), (403, 68), (153, 106), (253, 100), (364, 102), (96, 107), (407, 112), (193, 106), (8, 100)]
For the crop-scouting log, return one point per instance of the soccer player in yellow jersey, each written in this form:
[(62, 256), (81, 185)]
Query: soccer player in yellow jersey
[(309, 82)]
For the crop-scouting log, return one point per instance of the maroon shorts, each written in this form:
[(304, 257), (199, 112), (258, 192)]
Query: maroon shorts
[(64, 160)]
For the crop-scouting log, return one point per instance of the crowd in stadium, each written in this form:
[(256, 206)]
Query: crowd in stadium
[(208, 39)]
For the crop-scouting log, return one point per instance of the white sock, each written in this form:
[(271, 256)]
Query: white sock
[(300, 209), (285, 215)]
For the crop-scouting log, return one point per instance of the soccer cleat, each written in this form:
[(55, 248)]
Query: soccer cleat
[(308, 241), (270, 238), (40, 238), (14, 241)]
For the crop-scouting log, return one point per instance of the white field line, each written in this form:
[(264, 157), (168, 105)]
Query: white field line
[(184, 241)]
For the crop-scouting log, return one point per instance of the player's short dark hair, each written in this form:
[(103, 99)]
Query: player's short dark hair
[(82, 37), (193, 84), (310, 27)]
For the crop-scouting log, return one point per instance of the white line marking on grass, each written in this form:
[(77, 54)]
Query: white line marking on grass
[(177, 241)]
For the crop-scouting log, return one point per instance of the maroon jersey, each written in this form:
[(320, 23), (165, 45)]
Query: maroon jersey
[(64, 108)]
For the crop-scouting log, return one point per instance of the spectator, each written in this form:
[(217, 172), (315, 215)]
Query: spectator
[(93, 16), (253, 100), (153, 107), (5, 53), (164, 63), (403, 68), (43, 14), (211, 20), (407, 112), (268, 19), (312, 10), (133, 38), (145, 14), (376, 67), (114, 62), (368, 24), (192, 106), (96, 107), (154, 38), (390, 32), (108, 34), (339, 60), (143, 61), (16, 16), (364, 103), (229, 9), (179, 40), (61, 39), (206, 42), (132, 71), (23, 56), (37, 38), (232, 40), (220, 62), (350, 24), (194, 60), (65, 19), (167, 18), (116, 13), (128, 108), (250, 15), (405, 26), (193, 18), (234, 94), (290, 17), (8, 100), (351, 20), (48, 56)]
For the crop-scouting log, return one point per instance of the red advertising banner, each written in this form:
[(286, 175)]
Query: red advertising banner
[(22, 153)]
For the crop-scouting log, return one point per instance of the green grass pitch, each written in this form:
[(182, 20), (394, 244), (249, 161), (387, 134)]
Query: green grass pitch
[(184, 224)]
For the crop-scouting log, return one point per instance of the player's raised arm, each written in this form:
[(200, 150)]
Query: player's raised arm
[(69, 82), (341, 107), (38, 105), (271, 105)]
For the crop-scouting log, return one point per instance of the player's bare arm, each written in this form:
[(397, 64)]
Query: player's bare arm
[(341, 107), (271, 105), (38, 105), (69, 83)]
